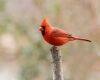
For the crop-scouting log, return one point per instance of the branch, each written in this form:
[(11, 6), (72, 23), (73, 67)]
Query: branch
[(57, 63)]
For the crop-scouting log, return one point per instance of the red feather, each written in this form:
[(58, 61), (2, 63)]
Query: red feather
[(56, 36)]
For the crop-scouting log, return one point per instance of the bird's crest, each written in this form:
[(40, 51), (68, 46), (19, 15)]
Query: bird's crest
[(44, 22)]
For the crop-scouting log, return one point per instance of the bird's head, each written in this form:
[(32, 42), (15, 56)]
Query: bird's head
[(45, 27)]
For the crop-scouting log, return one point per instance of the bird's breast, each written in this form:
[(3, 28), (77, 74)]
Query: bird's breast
[(56, 41)]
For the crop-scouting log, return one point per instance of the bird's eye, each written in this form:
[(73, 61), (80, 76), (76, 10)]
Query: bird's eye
[(43, 27)]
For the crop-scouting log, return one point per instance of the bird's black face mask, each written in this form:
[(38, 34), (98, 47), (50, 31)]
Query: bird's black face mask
[(43, 30)]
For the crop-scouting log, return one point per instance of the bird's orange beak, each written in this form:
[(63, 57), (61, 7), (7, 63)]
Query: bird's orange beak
[(40, 28)]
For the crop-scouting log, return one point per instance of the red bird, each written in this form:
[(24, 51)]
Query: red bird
[(56, 36)]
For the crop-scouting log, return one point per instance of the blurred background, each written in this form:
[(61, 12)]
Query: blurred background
[(24, 55)]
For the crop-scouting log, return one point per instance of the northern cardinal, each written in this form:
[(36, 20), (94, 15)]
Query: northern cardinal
[(56, 36)]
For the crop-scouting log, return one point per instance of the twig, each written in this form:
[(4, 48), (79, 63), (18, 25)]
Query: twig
[(57, 63)]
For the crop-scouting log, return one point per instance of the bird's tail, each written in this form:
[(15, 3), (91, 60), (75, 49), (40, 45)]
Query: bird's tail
[(82, 39)]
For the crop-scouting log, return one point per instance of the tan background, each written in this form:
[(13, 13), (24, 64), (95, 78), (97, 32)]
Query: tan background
[(24, 55)]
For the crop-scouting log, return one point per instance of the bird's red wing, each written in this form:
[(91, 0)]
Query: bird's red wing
[(60, 33)]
